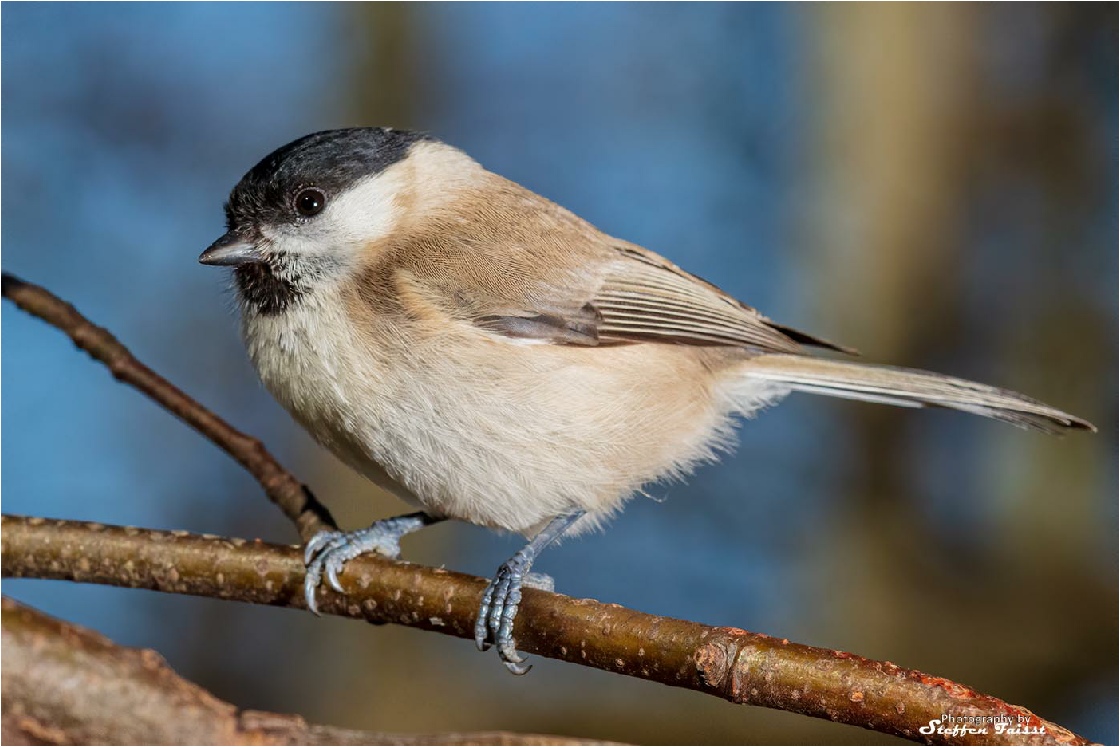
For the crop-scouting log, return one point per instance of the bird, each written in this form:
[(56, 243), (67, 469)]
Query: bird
[(488, 356)]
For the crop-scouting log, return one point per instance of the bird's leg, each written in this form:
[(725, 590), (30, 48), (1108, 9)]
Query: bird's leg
[(500, 600), (327, 552)]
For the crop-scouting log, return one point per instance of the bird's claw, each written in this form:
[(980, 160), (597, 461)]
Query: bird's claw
[(332, 577), (497, 612), (311, 549), (328, 552)]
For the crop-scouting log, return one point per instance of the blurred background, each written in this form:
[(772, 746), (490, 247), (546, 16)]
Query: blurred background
[(934, 185)]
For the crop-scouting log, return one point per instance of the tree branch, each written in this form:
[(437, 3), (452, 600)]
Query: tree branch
[(735, 665), (63, 684), (280, 485)]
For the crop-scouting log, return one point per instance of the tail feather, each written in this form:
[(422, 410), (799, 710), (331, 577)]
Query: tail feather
[(910, 388)]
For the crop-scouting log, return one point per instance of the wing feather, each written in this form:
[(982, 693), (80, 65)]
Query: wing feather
[(645, 297), (638, 296)]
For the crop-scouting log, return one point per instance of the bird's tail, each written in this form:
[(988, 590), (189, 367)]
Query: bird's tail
[(909, 388)]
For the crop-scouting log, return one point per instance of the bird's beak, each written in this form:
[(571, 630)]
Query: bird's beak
[(231, 250)]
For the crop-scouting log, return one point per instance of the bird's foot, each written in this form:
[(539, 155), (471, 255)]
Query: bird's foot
[(328, 552), (498, 610), (503, 594)]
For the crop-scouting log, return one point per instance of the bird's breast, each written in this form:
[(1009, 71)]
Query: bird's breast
[(308, 359), (475, 428)]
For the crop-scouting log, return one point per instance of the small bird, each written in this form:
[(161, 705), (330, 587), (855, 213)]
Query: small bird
[(488, 356)]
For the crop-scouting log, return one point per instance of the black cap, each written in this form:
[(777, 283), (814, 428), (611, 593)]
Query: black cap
[(332, 161)]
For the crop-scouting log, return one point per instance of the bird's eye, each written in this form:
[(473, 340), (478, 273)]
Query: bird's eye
[(310, 202)]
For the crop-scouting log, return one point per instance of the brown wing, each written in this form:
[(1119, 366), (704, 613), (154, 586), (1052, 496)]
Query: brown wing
[(645, 298)]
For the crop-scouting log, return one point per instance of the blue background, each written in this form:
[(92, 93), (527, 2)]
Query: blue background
[(934, 185)]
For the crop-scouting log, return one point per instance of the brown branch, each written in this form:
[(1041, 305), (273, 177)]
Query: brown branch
[(63, 684), (282, 488), (733, 664)]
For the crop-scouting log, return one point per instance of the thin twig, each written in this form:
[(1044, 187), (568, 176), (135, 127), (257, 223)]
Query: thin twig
[(280, 485), (733, 664), (63, 684)]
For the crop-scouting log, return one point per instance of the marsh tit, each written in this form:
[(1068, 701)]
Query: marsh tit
[(488, 356)]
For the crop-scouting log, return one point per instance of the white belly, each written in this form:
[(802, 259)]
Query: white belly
[(475, 428)]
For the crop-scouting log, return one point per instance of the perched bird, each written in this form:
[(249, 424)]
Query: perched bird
[(488, 356)]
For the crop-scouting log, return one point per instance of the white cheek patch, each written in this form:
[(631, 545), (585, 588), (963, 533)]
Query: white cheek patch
[(364, 213)]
